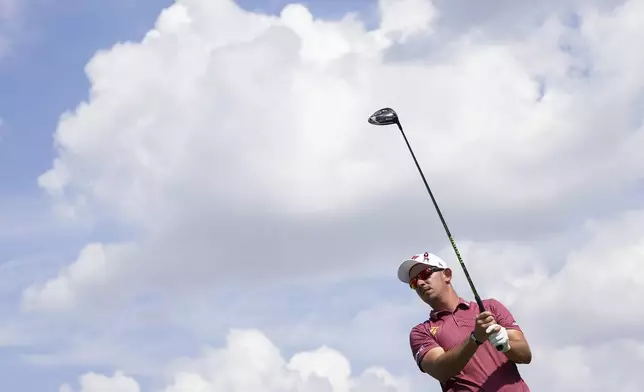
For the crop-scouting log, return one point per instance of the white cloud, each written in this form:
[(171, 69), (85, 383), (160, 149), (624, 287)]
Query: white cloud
[(235, 146), (296, 155), (96, 266), (573, 276), (406, 17), (560, 293), (252, 362), (188, 132), (612, 363), (93, 382), (605, 273), (557, 305)]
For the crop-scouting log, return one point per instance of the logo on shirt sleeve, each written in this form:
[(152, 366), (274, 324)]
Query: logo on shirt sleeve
[(420, 349), (433, 330)]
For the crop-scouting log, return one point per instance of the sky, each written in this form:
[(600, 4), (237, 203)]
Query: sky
[(192, 199)]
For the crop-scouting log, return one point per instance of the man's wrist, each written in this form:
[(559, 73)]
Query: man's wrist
[(474, 339)]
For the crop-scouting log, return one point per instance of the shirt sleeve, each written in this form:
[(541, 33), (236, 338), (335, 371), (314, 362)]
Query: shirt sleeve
[(502, 315), (421, 341)]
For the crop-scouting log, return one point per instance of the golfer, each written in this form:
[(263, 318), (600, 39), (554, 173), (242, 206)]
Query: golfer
[(456, 344)]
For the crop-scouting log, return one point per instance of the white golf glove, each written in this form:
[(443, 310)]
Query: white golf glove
[(499, 338)]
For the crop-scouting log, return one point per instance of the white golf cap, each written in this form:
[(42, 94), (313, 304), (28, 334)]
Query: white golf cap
[(424, 260)]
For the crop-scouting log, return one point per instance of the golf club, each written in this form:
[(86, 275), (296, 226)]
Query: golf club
[(388, 116)]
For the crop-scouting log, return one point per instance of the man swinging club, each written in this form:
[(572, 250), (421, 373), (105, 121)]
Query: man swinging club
[(456, 344)]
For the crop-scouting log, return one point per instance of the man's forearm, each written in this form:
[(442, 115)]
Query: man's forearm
[(453, 361), (519, 352)]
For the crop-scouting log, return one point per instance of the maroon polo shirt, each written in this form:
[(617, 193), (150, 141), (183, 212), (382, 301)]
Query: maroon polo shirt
[(489, 369)]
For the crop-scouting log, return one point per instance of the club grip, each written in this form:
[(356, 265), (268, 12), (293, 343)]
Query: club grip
[(482, 309)]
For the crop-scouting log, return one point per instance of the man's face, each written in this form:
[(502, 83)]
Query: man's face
[(429, 282)]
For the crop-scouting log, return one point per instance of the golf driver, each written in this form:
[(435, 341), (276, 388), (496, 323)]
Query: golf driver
[(388, 116)]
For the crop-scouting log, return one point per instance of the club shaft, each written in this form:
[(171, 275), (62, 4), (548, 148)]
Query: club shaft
[(440, 215)]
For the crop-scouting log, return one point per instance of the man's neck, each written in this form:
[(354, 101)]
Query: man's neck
[(448, 302)]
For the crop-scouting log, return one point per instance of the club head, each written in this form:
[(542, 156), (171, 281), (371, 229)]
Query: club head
[(385, 116)]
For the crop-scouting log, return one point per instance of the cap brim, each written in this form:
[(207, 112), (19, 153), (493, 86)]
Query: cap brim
[(404, 268)]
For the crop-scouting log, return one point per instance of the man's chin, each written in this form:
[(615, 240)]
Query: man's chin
[(428, 295)]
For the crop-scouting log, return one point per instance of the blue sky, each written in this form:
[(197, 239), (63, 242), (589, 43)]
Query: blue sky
[(41, 78), (45, 76), (525, 226)]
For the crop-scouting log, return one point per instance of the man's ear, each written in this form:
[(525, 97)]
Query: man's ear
[(447, 274)]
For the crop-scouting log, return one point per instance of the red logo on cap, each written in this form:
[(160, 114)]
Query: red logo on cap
[(414, 257), (426, 256)]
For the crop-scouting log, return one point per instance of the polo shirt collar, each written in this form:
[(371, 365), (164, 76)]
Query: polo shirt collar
[(436, 314)]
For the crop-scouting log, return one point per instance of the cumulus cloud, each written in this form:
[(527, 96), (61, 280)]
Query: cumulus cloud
[(304, 165), (93, 382), (607, 272), (406, 17), (92, 270), (568, 277), (250, 361), (612, 363), (188, 131), (233, 150), (560, 291), (555, 301)]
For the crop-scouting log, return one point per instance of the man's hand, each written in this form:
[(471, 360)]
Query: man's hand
[(499, 338), (485, 326)]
